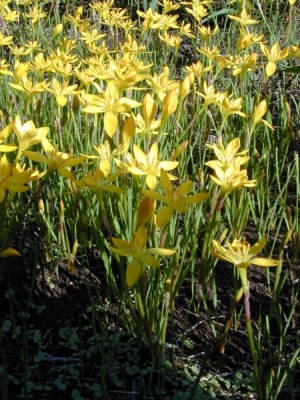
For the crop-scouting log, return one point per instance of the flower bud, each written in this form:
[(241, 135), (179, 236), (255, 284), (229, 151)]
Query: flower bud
[(57, 30)]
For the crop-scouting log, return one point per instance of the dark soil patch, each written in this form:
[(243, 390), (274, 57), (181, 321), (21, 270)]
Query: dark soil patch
[(69, 350)]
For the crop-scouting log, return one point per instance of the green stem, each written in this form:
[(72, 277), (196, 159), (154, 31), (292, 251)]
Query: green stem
[(251, 338)]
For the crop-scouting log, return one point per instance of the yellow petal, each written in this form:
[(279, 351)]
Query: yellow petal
[(35, 156), (110, 123), (133, 272), (148, 107), (163, 217), (129, 128), (145, 210), (265, 262), (10, 252), (61, 100), (161, 252), (93, 109), (151, 181), (271, 68), (259, 111), (165, 182)]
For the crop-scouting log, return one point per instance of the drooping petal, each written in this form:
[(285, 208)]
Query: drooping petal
[(133, 272), (165, 183), (110, 123), (164, 215), (145, 210), (65, 173), (148, 259), (61, 100), (270, 68), (141, 237), (151, 181)]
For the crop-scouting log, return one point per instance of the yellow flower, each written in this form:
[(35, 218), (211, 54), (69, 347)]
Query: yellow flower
[(35, 14), (242, 64), (54, 159), (99, 181), (230, 106), (141, 256), (5, 41), (247, 39), (210, 96), (91, 37), (197, 11), (148, 17), (57, 30), (175, 199), (171, 41), (146, 164), (8, 15), (198, 70), (14, 178), (19, 51), (40, 65), (210, 53), (106, 155), (161, 83), (259, 111), (169, 6), (61, 90), (111, 105), (207, 33), (144, 128), (244, 19), (26, 85), (4, 68), (242, 255), (145, 210), (228, 174), (232, 178), (165, 22), (225, 156), (273, 55), (28, 134)]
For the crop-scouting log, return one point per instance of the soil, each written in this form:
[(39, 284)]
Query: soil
[(58, 310)]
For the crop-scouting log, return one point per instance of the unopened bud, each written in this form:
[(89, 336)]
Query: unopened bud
[(145, 211), (57, 30)]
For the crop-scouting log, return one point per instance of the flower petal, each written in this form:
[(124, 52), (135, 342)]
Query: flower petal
[(265, 262), (133, 272)]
